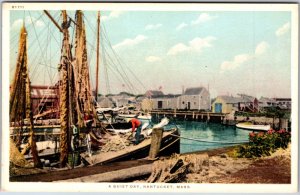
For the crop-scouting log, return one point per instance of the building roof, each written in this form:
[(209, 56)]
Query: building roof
[(265, 99), (282, 99), (247, 98), (168, 96), (193, 91), (231, 99), (154, 93)]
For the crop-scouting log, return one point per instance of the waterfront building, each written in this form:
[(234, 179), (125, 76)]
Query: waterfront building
[(123, 99), (265, 102), (192, 99), (153, 94), (226, 104), (248, 103), (106, 102), (197, 98), (284, 103), (166, 102)]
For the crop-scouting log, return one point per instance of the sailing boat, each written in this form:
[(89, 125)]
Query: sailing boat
[(76, 102), (20, 107)]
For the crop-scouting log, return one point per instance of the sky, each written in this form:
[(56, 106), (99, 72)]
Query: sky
[(228, 52)]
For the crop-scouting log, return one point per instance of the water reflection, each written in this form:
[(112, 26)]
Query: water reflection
[(209, 132)]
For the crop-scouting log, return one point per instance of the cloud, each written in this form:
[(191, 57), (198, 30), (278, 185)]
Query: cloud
[(181, 26), (241, 59), (153, 26), (130, 42), (261, 48), (28, 20), (237, 61), (153, 59), (178, 48), (195, 45), (204, 17), (283, 29), (113, 14)]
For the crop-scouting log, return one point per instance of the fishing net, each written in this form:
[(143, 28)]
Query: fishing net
[(176, 168), (117, 142)]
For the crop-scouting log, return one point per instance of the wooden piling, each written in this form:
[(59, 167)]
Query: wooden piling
[(155, 143)]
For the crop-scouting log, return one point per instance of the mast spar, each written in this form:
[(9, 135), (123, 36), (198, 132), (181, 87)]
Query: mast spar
[(64, 90), (97, 67)]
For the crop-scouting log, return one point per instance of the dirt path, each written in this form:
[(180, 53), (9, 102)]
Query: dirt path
[(270, 171), (273, 169)]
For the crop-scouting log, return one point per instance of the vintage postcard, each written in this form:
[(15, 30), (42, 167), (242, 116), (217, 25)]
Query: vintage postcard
[(149, 97)]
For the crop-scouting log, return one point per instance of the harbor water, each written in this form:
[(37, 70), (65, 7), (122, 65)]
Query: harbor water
[(208, 132)]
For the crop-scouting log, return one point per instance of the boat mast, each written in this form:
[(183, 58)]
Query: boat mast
[(97, 67), (64, 92), (20, 99)]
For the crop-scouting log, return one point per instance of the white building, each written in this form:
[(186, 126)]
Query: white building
[(197, 98), (192, 99)]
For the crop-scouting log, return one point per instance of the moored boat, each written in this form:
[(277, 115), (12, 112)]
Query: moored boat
[(254, 127), (170, 144)]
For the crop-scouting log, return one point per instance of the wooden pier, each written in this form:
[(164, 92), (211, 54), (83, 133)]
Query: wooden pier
[(194, 115)]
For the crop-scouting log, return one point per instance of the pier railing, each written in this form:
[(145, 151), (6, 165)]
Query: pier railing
[(190, 114)]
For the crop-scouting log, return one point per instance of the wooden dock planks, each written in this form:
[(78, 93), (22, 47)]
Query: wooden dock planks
[(115, 176), (111, 156)]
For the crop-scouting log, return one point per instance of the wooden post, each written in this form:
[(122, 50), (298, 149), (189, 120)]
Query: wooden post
[(283, 123), (155, 143)]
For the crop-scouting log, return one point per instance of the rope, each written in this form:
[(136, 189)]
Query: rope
[(200, 140)]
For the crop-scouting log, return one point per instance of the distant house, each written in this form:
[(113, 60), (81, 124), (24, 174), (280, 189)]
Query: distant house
[(192, 99), (153, 94), (265, 102), (197, 98), (248, 103), (226, 104), (106, 102), (166, 102), (284, 103)]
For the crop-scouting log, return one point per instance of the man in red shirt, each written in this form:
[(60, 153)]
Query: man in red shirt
[(136, 124)]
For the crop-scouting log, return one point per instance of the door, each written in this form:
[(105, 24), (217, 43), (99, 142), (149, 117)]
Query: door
[(218, 108), (189, 106), (159, 104)]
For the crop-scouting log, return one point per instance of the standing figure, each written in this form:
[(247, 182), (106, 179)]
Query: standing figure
[(136, 124)]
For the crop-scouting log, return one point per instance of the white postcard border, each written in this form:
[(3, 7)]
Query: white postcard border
[(136, 187)]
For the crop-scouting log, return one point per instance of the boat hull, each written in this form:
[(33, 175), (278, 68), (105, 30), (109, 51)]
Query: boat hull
[(170, 144), (254, 127)]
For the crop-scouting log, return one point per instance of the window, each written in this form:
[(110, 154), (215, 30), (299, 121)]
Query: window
[(194, 103), (183, 102)]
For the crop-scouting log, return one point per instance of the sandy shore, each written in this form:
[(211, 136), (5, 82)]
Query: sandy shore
[(224, 169)]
